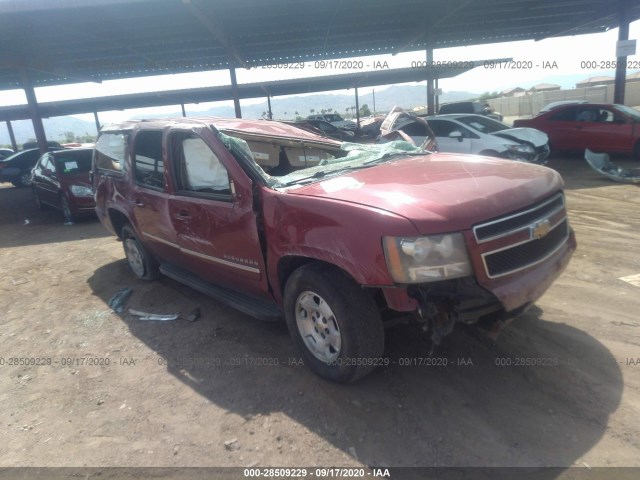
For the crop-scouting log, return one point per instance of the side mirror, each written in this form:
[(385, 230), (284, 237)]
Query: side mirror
[(456, 134)]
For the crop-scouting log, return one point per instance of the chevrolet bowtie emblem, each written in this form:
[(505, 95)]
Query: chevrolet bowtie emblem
[(539, 229)]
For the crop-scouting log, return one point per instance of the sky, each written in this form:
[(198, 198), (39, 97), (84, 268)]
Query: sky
[(557, 60)]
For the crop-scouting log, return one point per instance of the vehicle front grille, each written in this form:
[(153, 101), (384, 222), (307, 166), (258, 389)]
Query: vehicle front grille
[(518, 257), (518, 221)]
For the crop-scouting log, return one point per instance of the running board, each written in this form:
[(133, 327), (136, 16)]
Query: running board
[(250, 305)]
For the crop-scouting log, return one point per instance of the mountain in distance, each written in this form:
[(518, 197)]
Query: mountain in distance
[(405, 96)]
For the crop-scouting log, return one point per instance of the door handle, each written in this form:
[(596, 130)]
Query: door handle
[(138, 203), (183, 214)]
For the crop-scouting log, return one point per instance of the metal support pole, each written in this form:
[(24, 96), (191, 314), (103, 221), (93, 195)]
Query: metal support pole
[(184, 113), (34, 112), (269, 104), (97, 120), (430, 89), (437, 97), (234, 91), (621, 65), (14, 145), (357, 112), (374, 101)]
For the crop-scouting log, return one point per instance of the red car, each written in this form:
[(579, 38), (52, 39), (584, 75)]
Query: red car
[(61, 180), (339, 239), (599, 127)]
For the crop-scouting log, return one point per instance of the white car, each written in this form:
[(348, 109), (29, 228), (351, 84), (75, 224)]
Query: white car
[(467, 133)]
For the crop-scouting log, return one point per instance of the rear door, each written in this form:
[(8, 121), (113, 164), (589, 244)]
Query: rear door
[(150, 197), (213, 215)]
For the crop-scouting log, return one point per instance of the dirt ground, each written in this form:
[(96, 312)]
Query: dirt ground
[(228, 390)]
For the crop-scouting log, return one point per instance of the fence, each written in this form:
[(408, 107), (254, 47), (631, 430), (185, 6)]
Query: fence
[(529, 105)]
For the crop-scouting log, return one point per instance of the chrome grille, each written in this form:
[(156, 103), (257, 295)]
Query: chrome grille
[(504, 226), (517, 257)]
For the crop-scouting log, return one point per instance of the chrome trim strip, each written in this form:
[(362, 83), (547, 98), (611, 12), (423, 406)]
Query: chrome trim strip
[(221, 261), (203, 256), (162, 240), (562, 243), (511, 232)]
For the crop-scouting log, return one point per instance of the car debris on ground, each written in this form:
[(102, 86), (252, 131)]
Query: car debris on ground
[(119, 299), (600, 163)]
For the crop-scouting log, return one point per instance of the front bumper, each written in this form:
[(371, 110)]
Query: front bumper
[(470, 299)]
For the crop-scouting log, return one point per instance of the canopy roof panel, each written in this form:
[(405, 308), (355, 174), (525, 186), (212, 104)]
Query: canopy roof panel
[(69, 41)]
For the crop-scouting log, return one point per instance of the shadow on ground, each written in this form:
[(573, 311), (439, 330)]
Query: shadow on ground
[(539, 396)]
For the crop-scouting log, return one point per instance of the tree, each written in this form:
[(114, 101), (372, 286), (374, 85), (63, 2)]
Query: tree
[(364, 111), (312, 111)]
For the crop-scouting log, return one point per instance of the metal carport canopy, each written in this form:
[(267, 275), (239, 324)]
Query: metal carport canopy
[(69, 41), (247, 90)]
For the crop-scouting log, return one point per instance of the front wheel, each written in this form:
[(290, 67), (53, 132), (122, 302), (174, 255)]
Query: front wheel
[(334, 323), (67, 213), (142, 264)]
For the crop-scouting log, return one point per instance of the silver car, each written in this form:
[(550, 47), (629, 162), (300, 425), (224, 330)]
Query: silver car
[(467, 133)]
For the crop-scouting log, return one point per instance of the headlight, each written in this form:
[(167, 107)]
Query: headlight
[(520, 148), (426, 259), (80, 191)]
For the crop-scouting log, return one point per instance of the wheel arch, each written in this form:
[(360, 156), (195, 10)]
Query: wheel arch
[(118, 220)]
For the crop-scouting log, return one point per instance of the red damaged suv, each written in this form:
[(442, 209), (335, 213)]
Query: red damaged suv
[(339, 239)]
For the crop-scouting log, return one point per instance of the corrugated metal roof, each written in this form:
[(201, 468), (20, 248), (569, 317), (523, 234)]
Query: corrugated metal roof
[(68, 41)]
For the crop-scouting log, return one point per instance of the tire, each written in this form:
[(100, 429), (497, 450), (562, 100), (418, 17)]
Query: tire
[(352, 342), (636, 151), (67, 213), (23, 180), (490, 153), (140, 261)]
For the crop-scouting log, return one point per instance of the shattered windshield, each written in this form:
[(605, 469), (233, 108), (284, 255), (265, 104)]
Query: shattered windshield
[(286, 162)]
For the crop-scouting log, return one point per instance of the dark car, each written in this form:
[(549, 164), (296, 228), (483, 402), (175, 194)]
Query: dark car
[(61, 180), (601, 127), (17, 167), (475, 107)]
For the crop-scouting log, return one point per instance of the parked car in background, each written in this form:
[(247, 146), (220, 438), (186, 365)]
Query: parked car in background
[(17, 167), (353, 238), (335, 120), (5, 152), (485, 136), (473, 107), (61, 180), (600, 127), (325, 128), (560, 103)]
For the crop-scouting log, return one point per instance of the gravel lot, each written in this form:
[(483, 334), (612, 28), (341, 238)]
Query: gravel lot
[(228, 390)]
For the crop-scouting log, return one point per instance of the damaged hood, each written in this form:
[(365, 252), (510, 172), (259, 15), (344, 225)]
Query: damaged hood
[(524, 134), (441, 192)]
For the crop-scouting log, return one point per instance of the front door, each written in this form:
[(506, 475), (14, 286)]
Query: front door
[(213, 216)]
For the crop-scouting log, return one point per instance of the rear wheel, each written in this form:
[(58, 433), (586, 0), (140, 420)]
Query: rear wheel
[(636, 151), (333, 322), (23, 180), (142, 264)]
